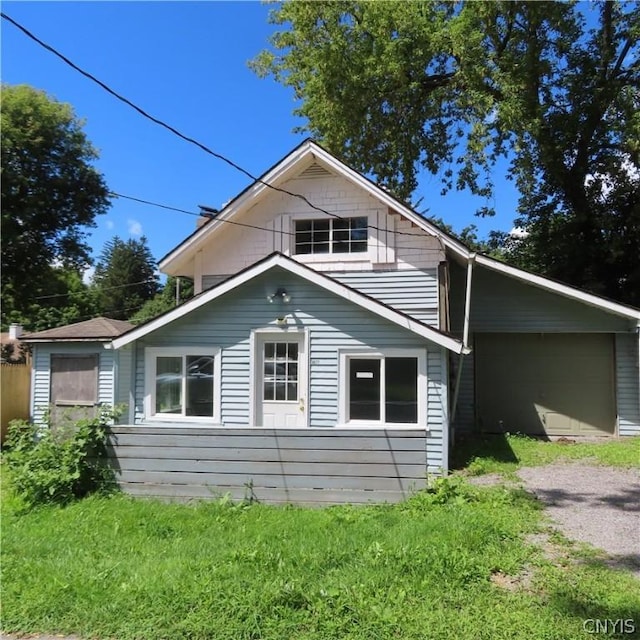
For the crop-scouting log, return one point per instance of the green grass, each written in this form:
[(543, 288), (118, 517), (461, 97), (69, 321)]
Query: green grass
[(115, 567), (506, 453)]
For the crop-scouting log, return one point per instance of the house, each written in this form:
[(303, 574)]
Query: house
[(336, 341), (73, 371)]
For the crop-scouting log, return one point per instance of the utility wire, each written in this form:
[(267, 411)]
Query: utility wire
[(159, 122), (191, 213), (175, 131), (117, 286)]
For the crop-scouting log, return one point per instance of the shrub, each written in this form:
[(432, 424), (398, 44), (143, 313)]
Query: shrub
[(59, 465)]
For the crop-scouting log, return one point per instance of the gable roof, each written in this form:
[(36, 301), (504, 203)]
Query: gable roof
[(304, 155), (325, 282), (97, 330), (558, 287), (310, 152)]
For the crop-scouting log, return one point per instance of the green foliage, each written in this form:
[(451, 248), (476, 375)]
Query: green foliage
[(125, 277), (58, 465), (63, 299), (478, 455), (397, 88), (165, 300), (117, 567), (51, 193)]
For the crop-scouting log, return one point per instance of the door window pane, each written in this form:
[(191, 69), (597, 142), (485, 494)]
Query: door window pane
[(364, 389), (280, 371), (199, 386), (401, 390), (169, 384)]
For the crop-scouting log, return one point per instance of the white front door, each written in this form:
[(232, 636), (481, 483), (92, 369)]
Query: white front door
[(281, 387)]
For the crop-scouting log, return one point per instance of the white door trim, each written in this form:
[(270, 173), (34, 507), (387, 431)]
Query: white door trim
[(257, 338)]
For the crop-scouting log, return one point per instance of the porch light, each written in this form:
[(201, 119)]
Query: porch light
[(280, 295)]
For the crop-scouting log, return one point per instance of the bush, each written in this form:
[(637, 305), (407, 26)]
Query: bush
[(59, 465)]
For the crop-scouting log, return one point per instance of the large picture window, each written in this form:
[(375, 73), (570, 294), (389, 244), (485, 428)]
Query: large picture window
[(182, 383), (383, 388), (331, 235)]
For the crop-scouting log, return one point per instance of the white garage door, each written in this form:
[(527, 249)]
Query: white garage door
[(558, 384)]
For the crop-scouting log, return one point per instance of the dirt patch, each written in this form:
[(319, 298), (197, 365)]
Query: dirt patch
[(593, 504)]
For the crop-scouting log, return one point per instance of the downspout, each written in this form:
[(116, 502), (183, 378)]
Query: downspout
[(465, 338)]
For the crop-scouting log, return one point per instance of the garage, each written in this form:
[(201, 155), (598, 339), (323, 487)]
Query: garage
[(553, 383)]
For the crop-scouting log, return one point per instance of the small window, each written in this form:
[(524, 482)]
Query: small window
[(182, 384), (331, 235), (383, 389)]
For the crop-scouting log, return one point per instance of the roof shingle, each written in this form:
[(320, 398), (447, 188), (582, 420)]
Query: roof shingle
[(94, 329)]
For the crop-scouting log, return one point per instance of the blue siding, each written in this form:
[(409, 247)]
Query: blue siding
[(628, 384), (501, 304), (41, 380), (332, 323), (412, 291)]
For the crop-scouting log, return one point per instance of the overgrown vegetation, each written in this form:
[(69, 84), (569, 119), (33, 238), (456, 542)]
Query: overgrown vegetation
[(57, 465), (454, 561), (505, 453)]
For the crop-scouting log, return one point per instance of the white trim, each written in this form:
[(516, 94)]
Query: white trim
[(344, 355), (296, 162), (444, 395), (257, 339), (150, 355), (325, 282), (557, 287)]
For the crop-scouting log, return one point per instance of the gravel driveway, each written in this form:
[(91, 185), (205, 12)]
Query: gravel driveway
[(594, 504)]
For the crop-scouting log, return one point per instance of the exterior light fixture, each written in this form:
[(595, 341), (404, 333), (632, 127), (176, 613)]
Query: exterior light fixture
[(280, 295)]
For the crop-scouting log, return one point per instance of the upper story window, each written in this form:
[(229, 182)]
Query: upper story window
[(332, 235)]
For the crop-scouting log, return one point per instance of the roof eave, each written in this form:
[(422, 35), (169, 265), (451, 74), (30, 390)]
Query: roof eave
[(325, 282)]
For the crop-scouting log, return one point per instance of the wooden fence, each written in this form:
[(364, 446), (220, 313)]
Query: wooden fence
[(15, 383), (321, 466)]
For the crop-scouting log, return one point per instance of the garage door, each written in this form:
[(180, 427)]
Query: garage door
[(558, 384)]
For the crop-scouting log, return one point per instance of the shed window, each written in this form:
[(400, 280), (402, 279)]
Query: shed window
[(331, 235), (74, 387), (182, 383)]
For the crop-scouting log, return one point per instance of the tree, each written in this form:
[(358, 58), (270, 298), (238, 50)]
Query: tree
[(395, 88), (63, 299), (51, 194), (165, 300), (125, 277)]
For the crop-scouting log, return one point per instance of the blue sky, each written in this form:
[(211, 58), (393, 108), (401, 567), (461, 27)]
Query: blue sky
[(184, 63)]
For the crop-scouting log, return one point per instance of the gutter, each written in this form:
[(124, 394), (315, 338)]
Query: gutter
[(465, 334)]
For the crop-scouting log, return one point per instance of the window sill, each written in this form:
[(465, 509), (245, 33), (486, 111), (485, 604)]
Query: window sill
[(391, 426), (331, 257)]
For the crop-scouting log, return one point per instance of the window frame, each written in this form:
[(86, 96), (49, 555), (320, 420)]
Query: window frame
[(344, 389), (151, 356), (330, 255)]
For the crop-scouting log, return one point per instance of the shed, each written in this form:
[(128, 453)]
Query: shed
[(73, 371)]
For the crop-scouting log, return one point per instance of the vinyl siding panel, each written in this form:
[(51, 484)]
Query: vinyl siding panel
[(628, 384), (41, 392), (412, 291), (503, 304), (332, 325), (500, 304)]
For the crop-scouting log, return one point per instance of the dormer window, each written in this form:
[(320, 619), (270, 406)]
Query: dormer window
[(331, 235)]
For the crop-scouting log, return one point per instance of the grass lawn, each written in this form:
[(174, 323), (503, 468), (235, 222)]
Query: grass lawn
[(506, 453), (452, 563)]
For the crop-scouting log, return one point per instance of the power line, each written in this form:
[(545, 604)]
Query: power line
[(117, 286), (184, 137), (191, 213), (157, 121)]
